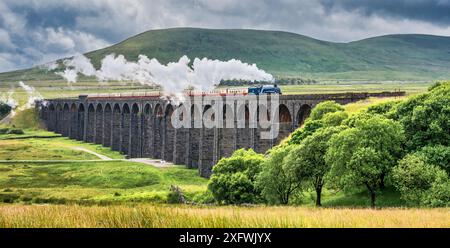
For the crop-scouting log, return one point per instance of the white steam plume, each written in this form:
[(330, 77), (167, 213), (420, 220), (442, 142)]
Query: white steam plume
[(173, 77), (33, 96), (8, 99)]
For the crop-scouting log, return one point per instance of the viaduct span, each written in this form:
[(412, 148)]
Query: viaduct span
[(140, 125)]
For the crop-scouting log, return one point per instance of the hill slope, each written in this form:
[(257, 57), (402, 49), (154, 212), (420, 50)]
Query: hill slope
[(403, 57)]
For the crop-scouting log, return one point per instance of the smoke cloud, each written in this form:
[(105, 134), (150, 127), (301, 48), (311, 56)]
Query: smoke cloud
[(174, 77), (33, 96), (8, 99)]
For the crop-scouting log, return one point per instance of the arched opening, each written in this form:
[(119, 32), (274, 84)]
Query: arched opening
[(66, 120), (99, 124), (226, 133), (284, 114), (59, 119), (303, 114), (207, 147), (158, 131), (135, 138), (168, 134), (107, 126), (243, 130), (81, 115), (90, 134), (116, 122), (126, 121), (147, 130), (51, 117), (73, 133), (194, 137), (285, 121)]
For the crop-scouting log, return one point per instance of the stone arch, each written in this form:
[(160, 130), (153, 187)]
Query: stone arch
[(135, 138), (59, 118), (227, 132), (65, 120), (81, 116), (73, 121), (51, 117), (207, 147), (126, 121), (147, 130), (284, 115), (181, 136), (107, 125), (262, 144), (99, 124), (194, 137), (116, 127), (90, 129), (158, 131), (302, 114), (285, 122), (243, 131), (169, 133)]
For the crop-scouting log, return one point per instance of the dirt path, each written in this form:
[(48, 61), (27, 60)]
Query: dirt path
[(100, 156), (154, 162)]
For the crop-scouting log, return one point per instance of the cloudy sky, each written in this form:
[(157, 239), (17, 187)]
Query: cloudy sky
[(33, 32)]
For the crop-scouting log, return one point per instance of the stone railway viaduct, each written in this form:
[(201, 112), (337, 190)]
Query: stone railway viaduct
[(140, 126)]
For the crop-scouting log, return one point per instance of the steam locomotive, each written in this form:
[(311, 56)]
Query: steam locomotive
[(264, 90)]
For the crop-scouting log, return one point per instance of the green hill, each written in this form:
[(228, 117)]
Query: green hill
[(392, 57)]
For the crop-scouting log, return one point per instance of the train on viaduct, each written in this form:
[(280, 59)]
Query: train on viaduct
[(139, 125)]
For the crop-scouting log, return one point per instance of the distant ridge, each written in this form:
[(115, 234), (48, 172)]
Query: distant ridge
[(284, 54)]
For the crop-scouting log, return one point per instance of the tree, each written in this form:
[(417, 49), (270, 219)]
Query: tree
[(309, 158), (4, 109), (364, 154), (325, 114), (438, 155), (323, 108), (425, 118), (233, 178), (421, 183), (278, 179)]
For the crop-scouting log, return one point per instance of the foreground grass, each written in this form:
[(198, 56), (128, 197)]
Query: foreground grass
[(216, 217), (39, 145), (94, 182)]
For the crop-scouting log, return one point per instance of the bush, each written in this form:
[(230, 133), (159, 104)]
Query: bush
[(425, 118), (420, 183), (324, 108), (436, 155), (233, 178)]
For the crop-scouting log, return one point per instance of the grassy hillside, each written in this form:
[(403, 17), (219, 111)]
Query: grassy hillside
[(401, 57)]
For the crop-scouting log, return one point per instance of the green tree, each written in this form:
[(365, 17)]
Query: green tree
[(309, 159), (421, 183), (323, 108), (364, 154), (325, 114), (438, 155), (425, 118), (233, 178), (278, 179)]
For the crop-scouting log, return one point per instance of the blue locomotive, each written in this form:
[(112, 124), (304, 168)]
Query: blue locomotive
[(265, 90)]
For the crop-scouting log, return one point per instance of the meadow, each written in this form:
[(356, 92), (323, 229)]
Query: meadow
[(166, 216)]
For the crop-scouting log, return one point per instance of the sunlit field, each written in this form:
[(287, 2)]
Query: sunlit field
[(163, 216)]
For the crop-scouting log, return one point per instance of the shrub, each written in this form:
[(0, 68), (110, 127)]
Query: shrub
[(233, 178), (15, 131), (438, 155), (324, 108), (421, 183)]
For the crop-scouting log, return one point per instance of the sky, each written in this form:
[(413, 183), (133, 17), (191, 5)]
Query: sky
[(34, 32)]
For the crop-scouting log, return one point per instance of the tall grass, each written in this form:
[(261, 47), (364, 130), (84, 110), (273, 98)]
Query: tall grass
[(163, 216)]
